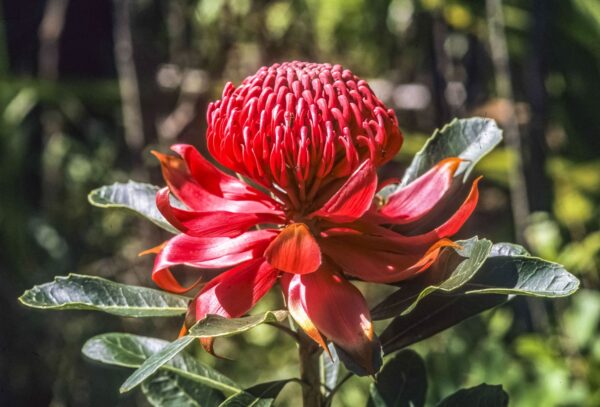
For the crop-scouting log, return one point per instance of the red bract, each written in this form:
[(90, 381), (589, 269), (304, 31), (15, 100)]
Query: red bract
[(310, 138)]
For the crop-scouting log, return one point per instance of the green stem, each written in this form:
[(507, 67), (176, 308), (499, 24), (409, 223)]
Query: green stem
[(309, 353), (285, 329)]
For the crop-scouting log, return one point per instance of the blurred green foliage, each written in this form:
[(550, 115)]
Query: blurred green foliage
[(63, 133)]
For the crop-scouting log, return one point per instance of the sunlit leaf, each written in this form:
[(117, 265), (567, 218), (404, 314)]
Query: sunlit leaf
[(167, 389), (484, 395), (215, 326), (402, 382), (522, 275), (438, 309), (261, 395), (155, 362), (94, 293), (211, 326), (469, 139), (508, 249), (135, 196), (132, 351)]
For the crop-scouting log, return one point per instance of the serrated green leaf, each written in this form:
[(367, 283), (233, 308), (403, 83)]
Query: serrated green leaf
[(210, 327), (402, 382), (167, 389), (261, 395), (94, 293), (135, 196), (126, 350), (469, 139), (454, 268), (484, 395)]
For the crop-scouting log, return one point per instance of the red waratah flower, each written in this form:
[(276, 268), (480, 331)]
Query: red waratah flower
[(309, 138)]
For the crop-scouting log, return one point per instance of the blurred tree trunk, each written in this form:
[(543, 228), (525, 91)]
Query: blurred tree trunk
[(438, 66), (128, 81), (529, 169), (538, 184), (512, 135), (49, 34)]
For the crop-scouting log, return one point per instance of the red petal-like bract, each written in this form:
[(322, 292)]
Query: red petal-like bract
[(294, 294), (213, 223), (418, 198), (213, 252), (294, 251), (353, 198), (205, 190), (217, 182), (206, 253), (309, 138), (167, 281), (234, 292), (357, 259), (324, 302)]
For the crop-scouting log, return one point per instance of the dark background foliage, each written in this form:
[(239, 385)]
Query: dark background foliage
[(87, 88)]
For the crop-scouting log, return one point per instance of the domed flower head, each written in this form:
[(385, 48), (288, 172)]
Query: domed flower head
[(307, 140)]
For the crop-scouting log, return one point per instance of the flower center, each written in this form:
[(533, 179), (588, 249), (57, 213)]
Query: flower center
[(296, 127)]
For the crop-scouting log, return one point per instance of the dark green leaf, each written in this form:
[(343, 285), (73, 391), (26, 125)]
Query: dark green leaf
[(469, 139), (484, 395), (261, 395), (132, 351), (210, 327), (167, 389), (94, 293), (401, 383), (135, 196), (351, 365), (434, 314), (498, 277), (522, 275)]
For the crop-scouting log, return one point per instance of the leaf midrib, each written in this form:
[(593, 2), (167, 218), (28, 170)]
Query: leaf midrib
[(110, 307), (192, 376)]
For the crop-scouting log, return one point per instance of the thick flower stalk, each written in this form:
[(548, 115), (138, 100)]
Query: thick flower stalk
[(309, 139)]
